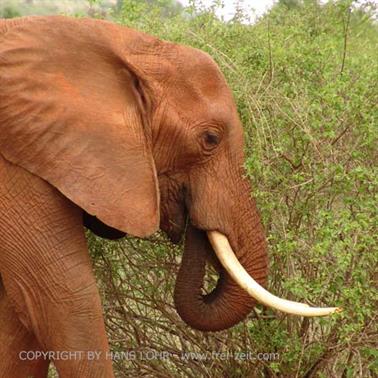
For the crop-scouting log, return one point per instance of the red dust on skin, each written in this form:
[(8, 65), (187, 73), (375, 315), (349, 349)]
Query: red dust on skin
[(136, 132)]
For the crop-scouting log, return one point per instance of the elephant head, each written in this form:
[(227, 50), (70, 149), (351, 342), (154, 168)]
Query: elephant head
[(139, 133)]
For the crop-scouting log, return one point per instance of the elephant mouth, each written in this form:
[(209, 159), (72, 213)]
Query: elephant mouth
[(224, 259)]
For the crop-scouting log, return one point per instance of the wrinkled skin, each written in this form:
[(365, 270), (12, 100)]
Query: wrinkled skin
[(127, 134)]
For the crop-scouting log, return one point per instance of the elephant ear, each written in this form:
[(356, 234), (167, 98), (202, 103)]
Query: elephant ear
[(73, 111)]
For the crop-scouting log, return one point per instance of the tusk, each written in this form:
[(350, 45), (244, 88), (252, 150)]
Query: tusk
[(232, 265)]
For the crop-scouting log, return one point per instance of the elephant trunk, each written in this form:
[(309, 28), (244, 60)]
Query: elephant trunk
[(228, 303)]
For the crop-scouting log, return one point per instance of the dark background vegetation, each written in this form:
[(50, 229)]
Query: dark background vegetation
[(304, 77)]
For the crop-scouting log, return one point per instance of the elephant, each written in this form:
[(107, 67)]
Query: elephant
[(108, 127)]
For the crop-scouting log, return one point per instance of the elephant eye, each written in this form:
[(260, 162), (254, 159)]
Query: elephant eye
[(211, 139)]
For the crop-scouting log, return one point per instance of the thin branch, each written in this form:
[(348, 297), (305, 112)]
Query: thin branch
[(270, 54), (346, 29)]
